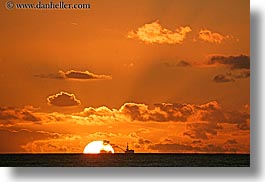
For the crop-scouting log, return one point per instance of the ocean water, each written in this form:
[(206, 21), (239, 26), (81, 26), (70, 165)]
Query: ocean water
[(125, 160)]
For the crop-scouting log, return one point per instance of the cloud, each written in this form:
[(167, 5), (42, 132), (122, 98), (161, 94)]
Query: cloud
[(141, 112), (75, 75), (233, 141), (239, 66), (63, 99), (100, 111), (240, 118), (58, 76), (202, 130), (233, 62), (231, 76), (72, 74), (9, 114), (196, 142), (155, 33), (184, 127), (171, 147), (210, 117), (213, 37), (241, 75), (191, 148), (161, 113), (139, 142), (219, 115), (63, 143), (181, 63), (211, 112), (143, 141), (13, 140), (223, 78)]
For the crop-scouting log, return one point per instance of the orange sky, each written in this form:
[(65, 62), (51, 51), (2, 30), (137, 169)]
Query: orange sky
[(162, 75)]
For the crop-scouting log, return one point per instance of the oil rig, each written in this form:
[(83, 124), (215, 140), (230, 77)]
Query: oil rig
[(126, 151), (129, 151)]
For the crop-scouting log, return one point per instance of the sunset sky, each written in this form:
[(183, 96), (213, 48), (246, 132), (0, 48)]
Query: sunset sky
[(162, 75)]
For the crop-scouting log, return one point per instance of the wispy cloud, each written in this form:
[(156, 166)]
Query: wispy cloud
[(155, 33)]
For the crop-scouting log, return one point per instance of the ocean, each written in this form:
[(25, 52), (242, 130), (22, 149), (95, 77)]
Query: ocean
[(125, 160)]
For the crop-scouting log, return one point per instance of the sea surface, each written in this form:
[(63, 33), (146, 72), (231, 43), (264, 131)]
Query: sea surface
[(125, 160)]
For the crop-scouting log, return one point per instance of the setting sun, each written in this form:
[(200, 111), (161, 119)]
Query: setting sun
[(97, 147), (123, 83)]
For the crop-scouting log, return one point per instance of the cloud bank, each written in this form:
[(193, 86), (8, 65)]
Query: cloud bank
[(162, 127), (204, 118)]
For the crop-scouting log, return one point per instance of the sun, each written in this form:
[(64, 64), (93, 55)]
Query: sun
[(97, 147)]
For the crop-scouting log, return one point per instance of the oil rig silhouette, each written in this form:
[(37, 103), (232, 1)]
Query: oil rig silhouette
[(128, 151)]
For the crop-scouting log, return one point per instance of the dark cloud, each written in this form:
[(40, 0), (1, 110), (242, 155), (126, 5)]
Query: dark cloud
[(27, 116), (181, 63), (12, 141), (143, 141), (243, 126), (209, 121), (140, 141), (202, 130), (213, 148), (141, 112), (63, 99), (77, 75), (167, 140), (210, 114), (58, 148), (222, 78), (8, 114), (189, 148), (161, 112), (53, 143), (234, 62), (231, 76), (196, 142), (59, 76), (242, 74), (174, 147), (231, 141), (240, 118), (72, 74)]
